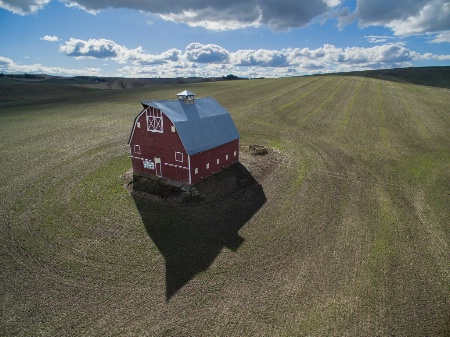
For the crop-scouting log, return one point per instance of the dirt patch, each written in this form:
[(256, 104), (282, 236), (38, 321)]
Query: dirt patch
[(251, 171)]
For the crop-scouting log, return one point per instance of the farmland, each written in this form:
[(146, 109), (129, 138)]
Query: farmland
[(345, 231)]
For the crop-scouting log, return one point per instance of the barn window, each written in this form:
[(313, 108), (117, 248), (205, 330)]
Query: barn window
[(235, 153), (218, 161), (226, 157), (138, 124), (137, 148), (154, 120), (172, 128), (207, 166), (196, 170), (178, 156)]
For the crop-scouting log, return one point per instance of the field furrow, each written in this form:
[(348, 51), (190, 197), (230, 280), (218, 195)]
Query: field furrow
[(340, 230)]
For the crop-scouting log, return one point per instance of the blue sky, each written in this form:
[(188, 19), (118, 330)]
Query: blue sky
[(253, 38)]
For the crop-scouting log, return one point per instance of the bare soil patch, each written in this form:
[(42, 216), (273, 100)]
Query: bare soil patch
[(223, 185)]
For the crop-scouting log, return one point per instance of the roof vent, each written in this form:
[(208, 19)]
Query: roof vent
[(186, 96)]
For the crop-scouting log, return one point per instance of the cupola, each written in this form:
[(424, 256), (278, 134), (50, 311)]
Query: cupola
[(186, 96)]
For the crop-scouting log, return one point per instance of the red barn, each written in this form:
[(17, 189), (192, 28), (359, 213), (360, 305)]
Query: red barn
[(184, 140)]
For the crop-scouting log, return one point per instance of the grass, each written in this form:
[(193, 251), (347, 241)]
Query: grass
[(348, 236)]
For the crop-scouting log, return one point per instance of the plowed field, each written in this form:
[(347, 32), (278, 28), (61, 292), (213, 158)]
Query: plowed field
[(341, 230)]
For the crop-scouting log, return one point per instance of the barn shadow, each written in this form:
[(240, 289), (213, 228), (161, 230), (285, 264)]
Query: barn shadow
[(192, 233)]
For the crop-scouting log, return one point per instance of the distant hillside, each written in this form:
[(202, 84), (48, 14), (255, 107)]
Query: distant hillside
[(12, 89), (430, 76)]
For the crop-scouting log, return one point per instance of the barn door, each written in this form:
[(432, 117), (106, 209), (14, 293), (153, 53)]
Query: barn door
[(158, 167)]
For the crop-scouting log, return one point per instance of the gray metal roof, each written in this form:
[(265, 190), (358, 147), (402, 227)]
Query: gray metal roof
[(202, 125), (186, 93)]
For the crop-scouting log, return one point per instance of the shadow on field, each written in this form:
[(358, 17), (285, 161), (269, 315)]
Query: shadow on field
[(192, 233)]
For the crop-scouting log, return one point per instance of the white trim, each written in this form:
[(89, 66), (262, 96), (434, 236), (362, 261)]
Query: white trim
[(137, 148), (177, 166), (189, 167), (158, 125), (182, 159), (158, 161), (134, 126)]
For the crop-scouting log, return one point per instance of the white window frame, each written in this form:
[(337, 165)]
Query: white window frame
[(196, 170), (138, 124), (235, 153), (172, 128), (178, 155), (137, 148), (218, 161), (226, 157), (154, 120), (207, 166)]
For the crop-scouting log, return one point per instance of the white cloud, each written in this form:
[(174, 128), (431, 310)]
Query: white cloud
[(171, 55), (403, 17), (212, 60), (101, 48), (377, 38), (442, 37), (107, 49), (430, 56), (260, 58), (23, 7), (433, 16), (9, 66), (50, 38), (210, 53), (279, 15)]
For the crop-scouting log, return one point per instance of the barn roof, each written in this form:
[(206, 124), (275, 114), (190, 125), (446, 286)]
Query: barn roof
[(186, 93), (201, 126)]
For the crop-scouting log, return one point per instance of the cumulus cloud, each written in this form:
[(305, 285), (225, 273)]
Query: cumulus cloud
[(403, 17), (442, 37), (283, 15), (171, 55), (101, 48), (224, 15), (214, 15), (279, 15), (107, 49), (23, 7), (50, 38), (210, 53), (260, 58), (213, 60), (9, 66)]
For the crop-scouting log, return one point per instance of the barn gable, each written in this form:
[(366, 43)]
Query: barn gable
[(184, 140), (201, 126)]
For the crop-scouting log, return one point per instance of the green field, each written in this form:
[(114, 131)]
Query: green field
[(348, 236)]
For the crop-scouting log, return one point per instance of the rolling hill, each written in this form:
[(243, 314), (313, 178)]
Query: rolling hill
[(344, 232)]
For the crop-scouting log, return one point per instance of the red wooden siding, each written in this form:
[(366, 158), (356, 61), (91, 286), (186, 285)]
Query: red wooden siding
[(146, 146), (210, 157), (166, 145)]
